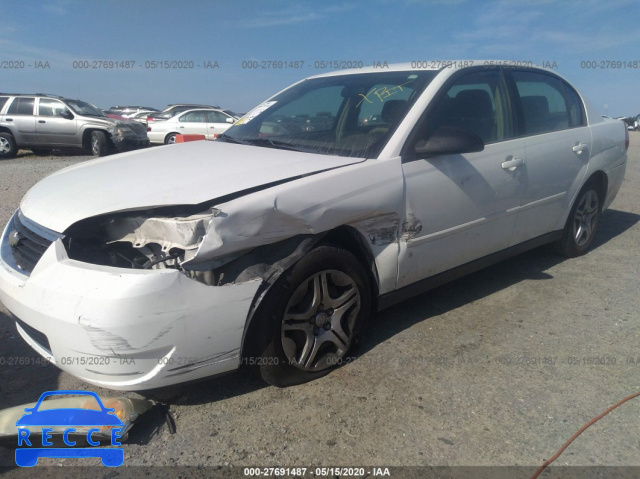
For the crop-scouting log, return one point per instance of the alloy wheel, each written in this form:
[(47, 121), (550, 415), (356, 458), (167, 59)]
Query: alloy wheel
[(319, 320), (586, 218)]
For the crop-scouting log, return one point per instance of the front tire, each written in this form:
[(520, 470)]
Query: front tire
[(312, 317), (8, 147), (99, 144), (582, 222)]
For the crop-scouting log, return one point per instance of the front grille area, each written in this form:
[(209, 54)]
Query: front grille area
[(29, 248), (34, 334), (138, 128), (24, 243)]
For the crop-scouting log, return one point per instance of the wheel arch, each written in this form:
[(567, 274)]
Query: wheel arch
[(166, 137), (345, 237), (4, 129), (86, 136)]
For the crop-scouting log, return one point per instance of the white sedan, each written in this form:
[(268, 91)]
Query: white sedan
[(270, 247), (207, 122)]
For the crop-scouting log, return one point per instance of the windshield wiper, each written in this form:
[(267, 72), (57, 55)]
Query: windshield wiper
[(282, 145), (229, 139), (268, 143)]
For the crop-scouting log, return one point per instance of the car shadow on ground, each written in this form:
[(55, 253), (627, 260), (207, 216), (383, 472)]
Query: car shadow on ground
[(24, 374), (52, 153)]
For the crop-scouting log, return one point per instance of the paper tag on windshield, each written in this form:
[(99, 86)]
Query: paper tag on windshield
[(255, 112)]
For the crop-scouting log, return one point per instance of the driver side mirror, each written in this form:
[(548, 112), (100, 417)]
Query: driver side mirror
[(66, 114), (447, 140), (230, 120)]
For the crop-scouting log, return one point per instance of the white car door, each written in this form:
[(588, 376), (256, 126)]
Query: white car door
[(461, 207), (558, 145), (193, 123), (217, 124)]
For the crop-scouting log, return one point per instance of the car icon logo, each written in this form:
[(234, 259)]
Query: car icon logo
[(72, 420)]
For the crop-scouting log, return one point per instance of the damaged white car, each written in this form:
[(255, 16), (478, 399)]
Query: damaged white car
[(271, 246)]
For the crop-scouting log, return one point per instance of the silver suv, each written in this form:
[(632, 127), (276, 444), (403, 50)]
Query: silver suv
[(42, 122)]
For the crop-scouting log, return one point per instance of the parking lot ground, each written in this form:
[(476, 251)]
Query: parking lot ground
[(499, 368)]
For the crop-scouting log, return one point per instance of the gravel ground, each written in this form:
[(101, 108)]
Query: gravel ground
[(497, 369)]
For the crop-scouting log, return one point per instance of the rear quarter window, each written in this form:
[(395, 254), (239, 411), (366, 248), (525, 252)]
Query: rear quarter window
[(21, 106)]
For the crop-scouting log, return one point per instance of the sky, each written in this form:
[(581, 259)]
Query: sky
[(237, 53)]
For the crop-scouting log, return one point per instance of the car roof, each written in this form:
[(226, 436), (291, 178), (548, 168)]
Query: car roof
[(432, 66)]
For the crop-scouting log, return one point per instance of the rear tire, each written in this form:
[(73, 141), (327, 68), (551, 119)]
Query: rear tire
[(582, 223), (8, 147), (170, 139), (311, 318)]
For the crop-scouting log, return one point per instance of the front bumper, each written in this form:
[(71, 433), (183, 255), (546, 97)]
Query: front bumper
[(126, 329), (127, 143)]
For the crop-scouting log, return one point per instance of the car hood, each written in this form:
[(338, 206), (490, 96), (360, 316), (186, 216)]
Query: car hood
[(181, 174)]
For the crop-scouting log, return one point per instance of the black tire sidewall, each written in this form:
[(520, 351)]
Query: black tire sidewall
[(14, 148), (102, 143), (273, 365), (568, 245)]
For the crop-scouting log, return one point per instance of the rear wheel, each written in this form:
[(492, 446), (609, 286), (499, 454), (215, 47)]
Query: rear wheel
[(583, 221), (312, 317), (170, 139), (99, 144), (8, 147)]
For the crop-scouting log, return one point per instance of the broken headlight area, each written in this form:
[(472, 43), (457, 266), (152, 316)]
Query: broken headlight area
[(137, 240)]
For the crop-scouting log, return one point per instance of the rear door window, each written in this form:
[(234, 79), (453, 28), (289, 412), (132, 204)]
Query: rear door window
[(21, 106), (546, 104)]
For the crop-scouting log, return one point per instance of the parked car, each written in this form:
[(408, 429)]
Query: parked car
[(176, 108), (141, 117), (207, 122), (43, 122), (129, 111), (272, 252)]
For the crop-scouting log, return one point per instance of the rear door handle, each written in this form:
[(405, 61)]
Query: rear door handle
[(41, 121), (579, 148), (512, 164)]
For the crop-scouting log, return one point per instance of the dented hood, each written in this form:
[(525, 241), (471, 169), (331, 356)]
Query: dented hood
[(181, 174)]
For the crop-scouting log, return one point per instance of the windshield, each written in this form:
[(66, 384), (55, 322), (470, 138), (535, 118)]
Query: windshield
[(345, 115), (83, 108)]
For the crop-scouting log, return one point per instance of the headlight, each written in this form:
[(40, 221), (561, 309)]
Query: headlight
[(138, 240), (121, 129)]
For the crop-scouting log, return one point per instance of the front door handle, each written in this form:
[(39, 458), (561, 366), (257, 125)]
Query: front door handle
[(511, 165), (41, 121), (579, 148)]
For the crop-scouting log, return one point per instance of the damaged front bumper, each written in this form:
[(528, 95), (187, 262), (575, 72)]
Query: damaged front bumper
[(124, 138), (126, 329)]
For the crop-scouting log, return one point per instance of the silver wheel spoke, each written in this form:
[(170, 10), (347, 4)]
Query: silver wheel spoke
[(317, 327), (584, 221), (315, 301), (310, 350)]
